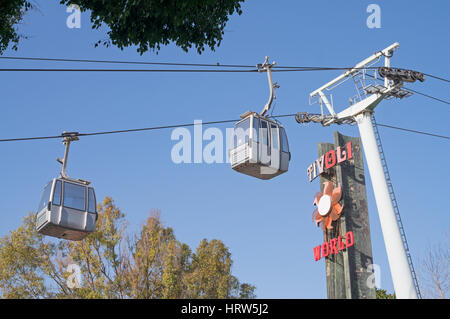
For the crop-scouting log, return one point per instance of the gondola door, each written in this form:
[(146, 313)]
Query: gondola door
[(264, 149), (274, 148), (285, 155)]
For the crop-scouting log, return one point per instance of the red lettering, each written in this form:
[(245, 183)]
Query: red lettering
[(340, 243), (330, 159), (325, 249), (317, 252), (349, 150), (349, 239), (333, 247), (341, 155)]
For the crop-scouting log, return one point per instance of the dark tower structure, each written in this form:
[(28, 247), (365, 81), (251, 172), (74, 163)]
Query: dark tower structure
[(349, 273)]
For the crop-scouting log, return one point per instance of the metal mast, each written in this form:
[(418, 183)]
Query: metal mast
[(395, 205), (360, 111)]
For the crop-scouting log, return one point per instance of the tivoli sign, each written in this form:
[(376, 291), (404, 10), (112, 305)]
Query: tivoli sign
[(341, 211), (329, 160)]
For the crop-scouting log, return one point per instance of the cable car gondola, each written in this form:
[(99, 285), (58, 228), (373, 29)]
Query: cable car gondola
[(67, 208), (260, 147)]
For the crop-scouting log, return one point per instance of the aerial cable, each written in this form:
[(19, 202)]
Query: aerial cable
[(414, 131), (436, 77), (128, 130), (284, 69), (189, 125), (161, 70), (426, 95), (296, 68), (414, 91), (348, 68), (124, 70), (127, 62), (166, 63), (287, 68)]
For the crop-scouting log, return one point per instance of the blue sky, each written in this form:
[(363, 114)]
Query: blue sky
[(266, 224)]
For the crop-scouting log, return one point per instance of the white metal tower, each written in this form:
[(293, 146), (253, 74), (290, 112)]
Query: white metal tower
[(360, 111)]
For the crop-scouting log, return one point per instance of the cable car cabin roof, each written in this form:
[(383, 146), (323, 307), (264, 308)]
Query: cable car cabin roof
[(249, 113), (77, 181)]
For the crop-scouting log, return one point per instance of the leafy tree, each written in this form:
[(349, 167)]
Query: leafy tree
[(150, 264), (434, 270), (159, 262), (101, 257), (210, 275), (11, 14), (246, 291), (148, 24), (383, 294)]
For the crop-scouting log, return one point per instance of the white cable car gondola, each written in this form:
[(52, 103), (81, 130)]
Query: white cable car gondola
[(68, 206), (260, 147)]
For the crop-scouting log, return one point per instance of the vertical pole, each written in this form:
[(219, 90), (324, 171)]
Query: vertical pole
[(398, 262), (387, 63)]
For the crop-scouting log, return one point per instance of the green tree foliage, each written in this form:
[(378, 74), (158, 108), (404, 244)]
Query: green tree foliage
[(147, 24), (149, 264), (211, 261), (383, 294), (11, 13)]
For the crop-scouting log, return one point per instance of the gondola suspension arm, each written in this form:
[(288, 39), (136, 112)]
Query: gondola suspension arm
[(67, 138), (266, 66)]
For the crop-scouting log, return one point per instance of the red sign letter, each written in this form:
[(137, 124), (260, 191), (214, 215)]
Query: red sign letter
[(333, 247), (317, 252), (325, 249), (340, 243), (349, 240), (330, 159), (349, 150), (341, 155)]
